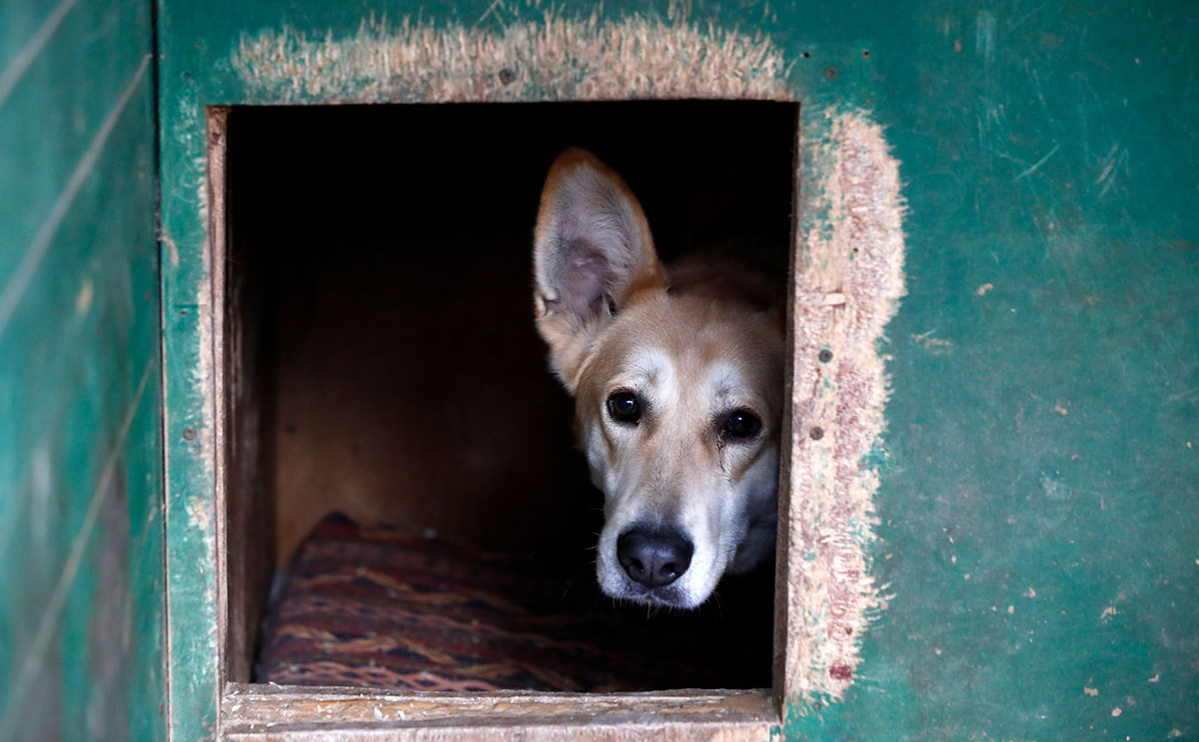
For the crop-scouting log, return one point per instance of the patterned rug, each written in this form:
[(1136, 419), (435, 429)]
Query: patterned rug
[(380, 607)]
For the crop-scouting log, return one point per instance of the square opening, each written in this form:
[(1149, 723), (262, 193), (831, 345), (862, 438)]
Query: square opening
[(381, 359)]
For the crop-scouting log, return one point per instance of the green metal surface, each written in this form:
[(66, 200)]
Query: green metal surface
[(82, 651), (1040, 543)]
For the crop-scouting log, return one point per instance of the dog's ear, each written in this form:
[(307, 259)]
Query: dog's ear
[(592, 253)]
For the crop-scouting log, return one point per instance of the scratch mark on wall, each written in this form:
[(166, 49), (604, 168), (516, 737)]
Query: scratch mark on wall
[(1036, 84), (52, 614), (992, 116), (549, 59), (10, 297), (172, 249), (1111, 163), (1026, 16), (1186, 396), (984, 37), (934, 345), (1037, 165), (20, 63), (489, 12)]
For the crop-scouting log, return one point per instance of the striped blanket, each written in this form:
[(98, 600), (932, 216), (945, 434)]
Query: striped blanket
[(380, 607)]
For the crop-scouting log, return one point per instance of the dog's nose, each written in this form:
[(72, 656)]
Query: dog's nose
[(654, 557)]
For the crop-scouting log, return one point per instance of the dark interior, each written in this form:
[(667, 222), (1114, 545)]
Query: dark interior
[(382, 357)]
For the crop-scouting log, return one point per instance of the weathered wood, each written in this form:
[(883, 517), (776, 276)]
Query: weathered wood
[(81, 585), (845, 289), (191, 357), (283, 712), (246, 526), (578, 729)]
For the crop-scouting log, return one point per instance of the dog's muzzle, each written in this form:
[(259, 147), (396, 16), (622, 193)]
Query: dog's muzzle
[(654, 557)]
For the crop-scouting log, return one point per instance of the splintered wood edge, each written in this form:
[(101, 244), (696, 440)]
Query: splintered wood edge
[(846, 286), (269, 712), (212, 302)]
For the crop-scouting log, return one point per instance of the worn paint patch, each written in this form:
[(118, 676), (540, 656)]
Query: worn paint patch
[(847, 288), (550, 58), (173, 249), (83, 300), (199, 515), (209, 295)]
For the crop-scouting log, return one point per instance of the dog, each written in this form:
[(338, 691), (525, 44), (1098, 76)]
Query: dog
[(677, 376)]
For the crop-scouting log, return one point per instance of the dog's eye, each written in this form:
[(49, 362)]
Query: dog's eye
[(624, 407), (740, 424)]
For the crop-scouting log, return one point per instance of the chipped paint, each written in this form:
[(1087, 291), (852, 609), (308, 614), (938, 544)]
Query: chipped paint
[(209, 294), (199, 514), (173, 249), (191, 273), (855, 251), (83, 300), (550, 58)]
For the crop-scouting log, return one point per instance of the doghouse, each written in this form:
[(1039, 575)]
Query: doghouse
[(272, 305), (389, 270)]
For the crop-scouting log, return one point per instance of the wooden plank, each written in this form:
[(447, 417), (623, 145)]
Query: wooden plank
[(81, 599), (583, 729), (192, 434), (42, 143), (278, 712)]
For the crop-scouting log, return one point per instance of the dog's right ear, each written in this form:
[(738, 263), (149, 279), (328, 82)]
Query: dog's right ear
[(592, 253)]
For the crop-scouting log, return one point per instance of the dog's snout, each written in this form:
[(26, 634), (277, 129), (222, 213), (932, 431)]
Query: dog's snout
[(654, 557)]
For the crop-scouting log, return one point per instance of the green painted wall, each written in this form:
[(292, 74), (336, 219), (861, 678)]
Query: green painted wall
[(1040, 542), (1040, 504), (81, 588)]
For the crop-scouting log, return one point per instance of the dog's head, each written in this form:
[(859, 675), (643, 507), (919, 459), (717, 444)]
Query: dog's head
[(678, 394)]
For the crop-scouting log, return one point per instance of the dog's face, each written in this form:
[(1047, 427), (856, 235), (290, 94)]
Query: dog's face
[(678, 395)]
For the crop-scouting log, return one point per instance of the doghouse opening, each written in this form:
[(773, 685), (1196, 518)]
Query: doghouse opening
[(381, 364)]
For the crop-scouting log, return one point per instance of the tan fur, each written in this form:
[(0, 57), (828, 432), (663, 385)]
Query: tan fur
[(694, 343), (566, 337)]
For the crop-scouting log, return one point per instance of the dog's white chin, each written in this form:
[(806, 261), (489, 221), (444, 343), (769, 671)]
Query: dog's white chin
[(670, 596)]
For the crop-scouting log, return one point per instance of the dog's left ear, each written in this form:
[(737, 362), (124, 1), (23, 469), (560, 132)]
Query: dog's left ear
[(592, 253)]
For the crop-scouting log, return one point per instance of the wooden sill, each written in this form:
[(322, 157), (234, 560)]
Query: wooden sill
[(276, 712)]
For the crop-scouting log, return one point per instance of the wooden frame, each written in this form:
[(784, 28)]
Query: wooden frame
[(845, 281), (269, 712), (275, 713)]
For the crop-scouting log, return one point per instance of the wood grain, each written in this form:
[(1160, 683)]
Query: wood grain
[(293, 713)]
